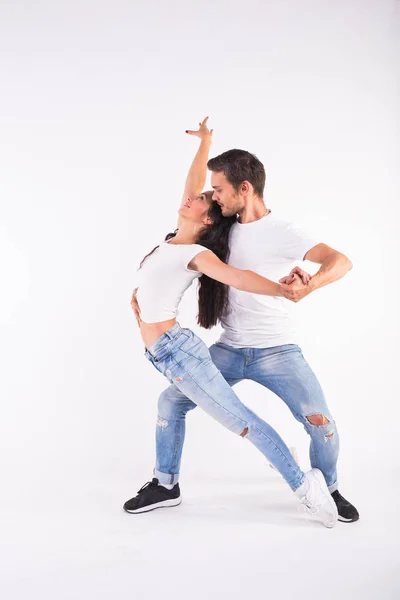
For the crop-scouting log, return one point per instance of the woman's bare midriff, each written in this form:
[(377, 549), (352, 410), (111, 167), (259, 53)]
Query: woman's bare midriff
[(152, 331)]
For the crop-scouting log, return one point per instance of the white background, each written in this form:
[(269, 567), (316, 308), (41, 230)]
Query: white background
[(95, 99)]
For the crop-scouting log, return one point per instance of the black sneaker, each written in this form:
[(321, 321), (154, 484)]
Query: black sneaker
[(152, 496), (347, 512)]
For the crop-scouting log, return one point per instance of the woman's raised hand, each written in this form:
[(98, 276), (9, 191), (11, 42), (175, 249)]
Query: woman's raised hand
[(203, 132)]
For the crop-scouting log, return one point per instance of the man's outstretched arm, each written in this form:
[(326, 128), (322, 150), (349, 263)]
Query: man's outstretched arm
[(334, 265)]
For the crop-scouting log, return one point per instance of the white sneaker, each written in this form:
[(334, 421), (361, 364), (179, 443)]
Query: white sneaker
[(316, 498)]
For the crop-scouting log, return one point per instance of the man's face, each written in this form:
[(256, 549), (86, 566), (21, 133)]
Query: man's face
[(225, 195)]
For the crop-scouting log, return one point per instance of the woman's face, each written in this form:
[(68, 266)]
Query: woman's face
[(196, 209)]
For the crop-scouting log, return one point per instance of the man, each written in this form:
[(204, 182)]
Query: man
[(258, 341)]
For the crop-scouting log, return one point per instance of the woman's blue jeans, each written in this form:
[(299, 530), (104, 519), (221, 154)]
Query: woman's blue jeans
[(202, 377)]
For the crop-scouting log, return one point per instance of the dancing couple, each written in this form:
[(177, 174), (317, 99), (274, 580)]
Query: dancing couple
[(242, 256)]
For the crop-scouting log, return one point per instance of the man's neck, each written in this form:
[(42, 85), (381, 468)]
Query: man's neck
[(254, 210)]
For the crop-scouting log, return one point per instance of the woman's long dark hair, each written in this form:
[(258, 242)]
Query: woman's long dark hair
[(213, 295)]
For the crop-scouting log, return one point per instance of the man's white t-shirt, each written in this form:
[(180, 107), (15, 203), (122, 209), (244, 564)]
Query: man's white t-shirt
[(269, 247)]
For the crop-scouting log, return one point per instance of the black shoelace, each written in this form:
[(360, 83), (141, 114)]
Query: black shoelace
[(149, 484)]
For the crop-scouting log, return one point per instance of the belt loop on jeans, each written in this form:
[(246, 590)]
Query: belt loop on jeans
[(169, 334)]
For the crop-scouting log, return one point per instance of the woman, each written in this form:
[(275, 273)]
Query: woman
[(198, 249)]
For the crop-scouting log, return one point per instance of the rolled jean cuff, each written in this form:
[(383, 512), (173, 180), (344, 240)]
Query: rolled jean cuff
[(332, 488), (166, 478), (296, 484)]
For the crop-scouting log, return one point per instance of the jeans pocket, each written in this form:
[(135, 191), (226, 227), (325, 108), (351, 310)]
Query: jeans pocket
[(196, 349)]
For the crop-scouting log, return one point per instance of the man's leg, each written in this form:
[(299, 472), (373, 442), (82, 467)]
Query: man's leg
[(284, 371)]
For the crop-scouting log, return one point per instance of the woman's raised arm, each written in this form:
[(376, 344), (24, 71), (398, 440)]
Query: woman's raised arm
[(196, 177)]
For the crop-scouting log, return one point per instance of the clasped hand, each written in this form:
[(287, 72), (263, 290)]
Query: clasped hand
[(296, 285)]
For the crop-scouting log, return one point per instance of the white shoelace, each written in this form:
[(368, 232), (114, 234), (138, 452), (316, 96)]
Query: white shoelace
[(312, 508), (308, 508)]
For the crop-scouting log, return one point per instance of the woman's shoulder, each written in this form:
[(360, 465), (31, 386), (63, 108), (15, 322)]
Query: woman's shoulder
[(201, 248)]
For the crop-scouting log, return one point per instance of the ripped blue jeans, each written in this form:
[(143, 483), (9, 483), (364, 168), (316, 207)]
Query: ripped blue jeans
[(185, 360), (281, 369)]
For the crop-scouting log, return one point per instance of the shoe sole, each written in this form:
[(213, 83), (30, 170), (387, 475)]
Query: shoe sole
[(322, 484), (343, 520), (163, 504)]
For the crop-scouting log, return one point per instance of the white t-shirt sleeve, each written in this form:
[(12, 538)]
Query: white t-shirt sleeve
[(298, 242), (192, 251)]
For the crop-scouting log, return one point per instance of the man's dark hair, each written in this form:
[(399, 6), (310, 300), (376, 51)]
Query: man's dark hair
[(239, 166)]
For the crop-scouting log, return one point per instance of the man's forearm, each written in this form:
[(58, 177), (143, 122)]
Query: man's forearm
[(333, 268), (198, 170)]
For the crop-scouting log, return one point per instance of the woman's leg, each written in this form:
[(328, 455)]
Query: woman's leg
[(173, 406), (188, 365), (170, 434), (198, 379)]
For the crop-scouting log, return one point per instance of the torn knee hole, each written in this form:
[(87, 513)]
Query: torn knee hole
[(163, 423), (244, 432), (329, 435), (318, 420)]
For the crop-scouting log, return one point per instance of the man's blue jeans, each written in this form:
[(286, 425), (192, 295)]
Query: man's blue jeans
[(198, 381)]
